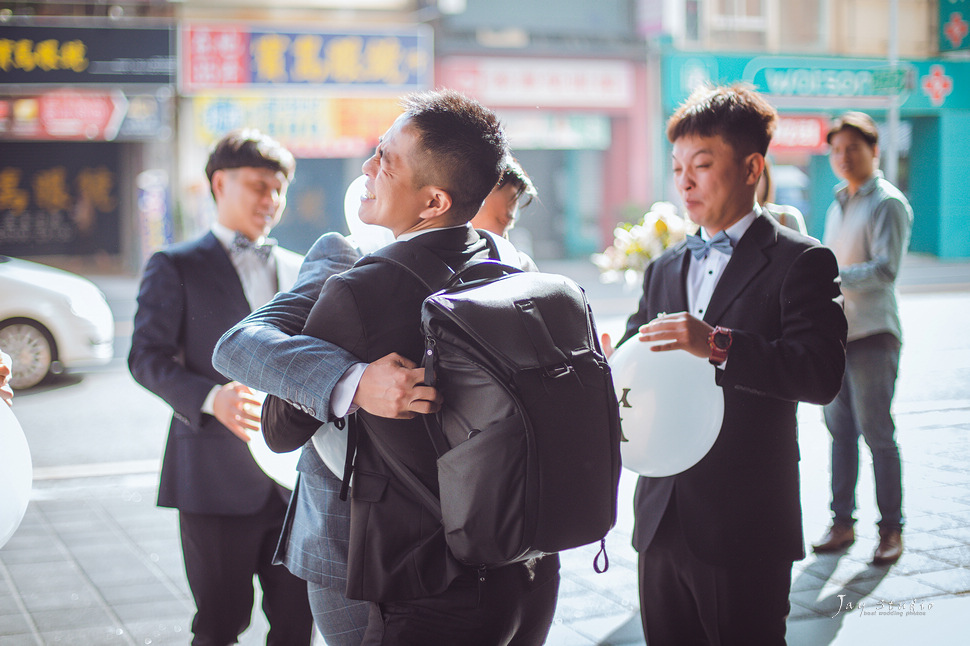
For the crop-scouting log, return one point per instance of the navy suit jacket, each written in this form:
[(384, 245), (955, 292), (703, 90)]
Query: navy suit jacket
[(780, 295), (190, 294)]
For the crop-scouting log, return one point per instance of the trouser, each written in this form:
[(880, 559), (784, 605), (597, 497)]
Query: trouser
[(507, 609), (221, 555), (685, 601), (862, 407)]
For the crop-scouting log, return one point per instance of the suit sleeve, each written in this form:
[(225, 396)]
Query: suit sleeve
[(155, 359), (807, 361), (267, 350), (642, 315), (334, 315)]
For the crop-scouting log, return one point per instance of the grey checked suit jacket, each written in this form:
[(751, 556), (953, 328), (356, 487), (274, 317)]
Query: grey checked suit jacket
[(267, 352)]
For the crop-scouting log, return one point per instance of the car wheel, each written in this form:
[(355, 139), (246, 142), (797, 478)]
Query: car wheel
[(31, 349)]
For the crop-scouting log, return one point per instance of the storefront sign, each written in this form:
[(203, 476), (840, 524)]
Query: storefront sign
[(954, 25), (807, 84), (59, 198), (308, 126), (84, 115), (800, 134), (239, 56), (544, 83), (535, 130), (39, 54)]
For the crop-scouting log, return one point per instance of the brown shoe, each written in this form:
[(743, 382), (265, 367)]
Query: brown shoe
[(837, 538), (890, 547)]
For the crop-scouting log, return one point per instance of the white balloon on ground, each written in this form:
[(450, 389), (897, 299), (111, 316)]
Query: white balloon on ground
[(367, 237), (670, 408), (16, 473)]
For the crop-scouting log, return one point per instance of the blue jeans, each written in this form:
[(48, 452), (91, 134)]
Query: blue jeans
[(862, 407)]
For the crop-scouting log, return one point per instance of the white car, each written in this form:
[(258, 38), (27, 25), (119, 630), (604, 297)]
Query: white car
[(51, 320)]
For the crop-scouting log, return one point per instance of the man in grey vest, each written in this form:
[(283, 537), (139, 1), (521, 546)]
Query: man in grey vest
[(868, 227)]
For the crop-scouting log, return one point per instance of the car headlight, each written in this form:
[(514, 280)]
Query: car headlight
[(91, 305)]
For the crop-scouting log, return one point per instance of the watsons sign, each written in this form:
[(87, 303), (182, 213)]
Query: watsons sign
[(781, 77)]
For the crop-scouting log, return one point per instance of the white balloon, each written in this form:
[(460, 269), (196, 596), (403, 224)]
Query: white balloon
[(281, 467), (16, 474), (367, 237), (330, 443), (670, 407)]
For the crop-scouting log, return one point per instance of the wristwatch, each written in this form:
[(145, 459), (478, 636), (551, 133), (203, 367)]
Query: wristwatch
[(720, 343)]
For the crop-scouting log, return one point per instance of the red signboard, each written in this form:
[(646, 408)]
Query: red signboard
[(800, 134), (64, 115)]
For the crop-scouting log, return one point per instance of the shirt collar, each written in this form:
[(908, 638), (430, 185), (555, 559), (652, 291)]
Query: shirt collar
[(842, 188), (414, 234), (225, 235), (736, 230)]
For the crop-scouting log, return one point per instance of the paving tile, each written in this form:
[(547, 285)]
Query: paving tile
[(161, 633), (66, 619), (955, 581), (87, 636), (899, 589), (157, 609)]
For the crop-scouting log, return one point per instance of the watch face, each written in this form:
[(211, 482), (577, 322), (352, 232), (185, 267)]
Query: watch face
[(721, 340)]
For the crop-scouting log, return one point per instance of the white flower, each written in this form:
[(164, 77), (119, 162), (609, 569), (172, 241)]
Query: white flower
[(636, 245)]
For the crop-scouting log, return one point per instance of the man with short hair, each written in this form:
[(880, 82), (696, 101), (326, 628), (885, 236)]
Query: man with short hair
[(230, 512), (868, 227), (762, 303), (427, 179)]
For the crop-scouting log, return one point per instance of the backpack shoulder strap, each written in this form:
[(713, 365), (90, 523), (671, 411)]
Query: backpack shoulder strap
[(430, 270), (499, 248)]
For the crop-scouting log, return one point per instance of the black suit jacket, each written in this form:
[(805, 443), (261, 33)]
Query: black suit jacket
[(190, 295), (397, 548), (780, 295)]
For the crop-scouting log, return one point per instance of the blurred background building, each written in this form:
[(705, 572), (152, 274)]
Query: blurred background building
[(107, 109)]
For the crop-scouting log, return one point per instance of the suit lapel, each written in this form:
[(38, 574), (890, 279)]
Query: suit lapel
[(222, 272), (675, 281), (748, 259)]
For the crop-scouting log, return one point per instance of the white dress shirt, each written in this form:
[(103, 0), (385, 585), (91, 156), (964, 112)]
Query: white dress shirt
[(704, 274)]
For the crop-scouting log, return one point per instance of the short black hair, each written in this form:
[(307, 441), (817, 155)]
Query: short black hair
[(514, 175), (464, 147), (736, 113), (860, 123), (249, 148)]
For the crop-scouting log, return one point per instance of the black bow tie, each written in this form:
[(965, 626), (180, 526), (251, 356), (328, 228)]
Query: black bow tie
[(699, 247), (241, 244)]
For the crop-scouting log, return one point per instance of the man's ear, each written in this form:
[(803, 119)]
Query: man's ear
[(437, 204), (218, 184), (754, 166)]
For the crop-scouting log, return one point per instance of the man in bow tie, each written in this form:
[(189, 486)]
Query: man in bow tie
[(230, 512), (762, 304)]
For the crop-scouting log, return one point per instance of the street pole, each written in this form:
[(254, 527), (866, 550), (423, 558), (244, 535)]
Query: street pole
[(892, 125)]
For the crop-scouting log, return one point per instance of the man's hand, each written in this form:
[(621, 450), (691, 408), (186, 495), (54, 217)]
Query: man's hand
[(392, 387), (6, 392), (679, 331), (607, 344), (238, 408)]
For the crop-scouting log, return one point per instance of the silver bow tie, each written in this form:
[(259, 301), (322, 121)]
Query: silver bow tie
[(240, 244), (700, 248)]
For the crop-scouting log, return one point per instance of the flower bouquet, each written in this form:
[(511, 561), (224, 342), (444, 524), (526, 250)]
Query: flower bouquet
[(636, 245)]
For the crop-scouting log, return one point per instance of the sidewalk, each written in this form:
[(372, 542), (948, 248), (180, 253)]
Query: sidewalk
[(95, 562)]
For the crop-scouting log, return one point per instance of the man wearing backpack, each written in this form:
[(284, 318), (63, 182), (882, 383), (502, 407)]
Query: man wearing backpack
[(427, 179), (762, 303)]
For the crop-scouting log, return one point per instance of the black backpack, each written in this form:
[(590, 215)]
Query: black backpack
[(528, 438)]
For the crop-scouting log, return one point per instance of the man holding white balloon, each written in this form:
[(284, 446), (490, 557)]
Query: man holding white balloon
[(762, 304)]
